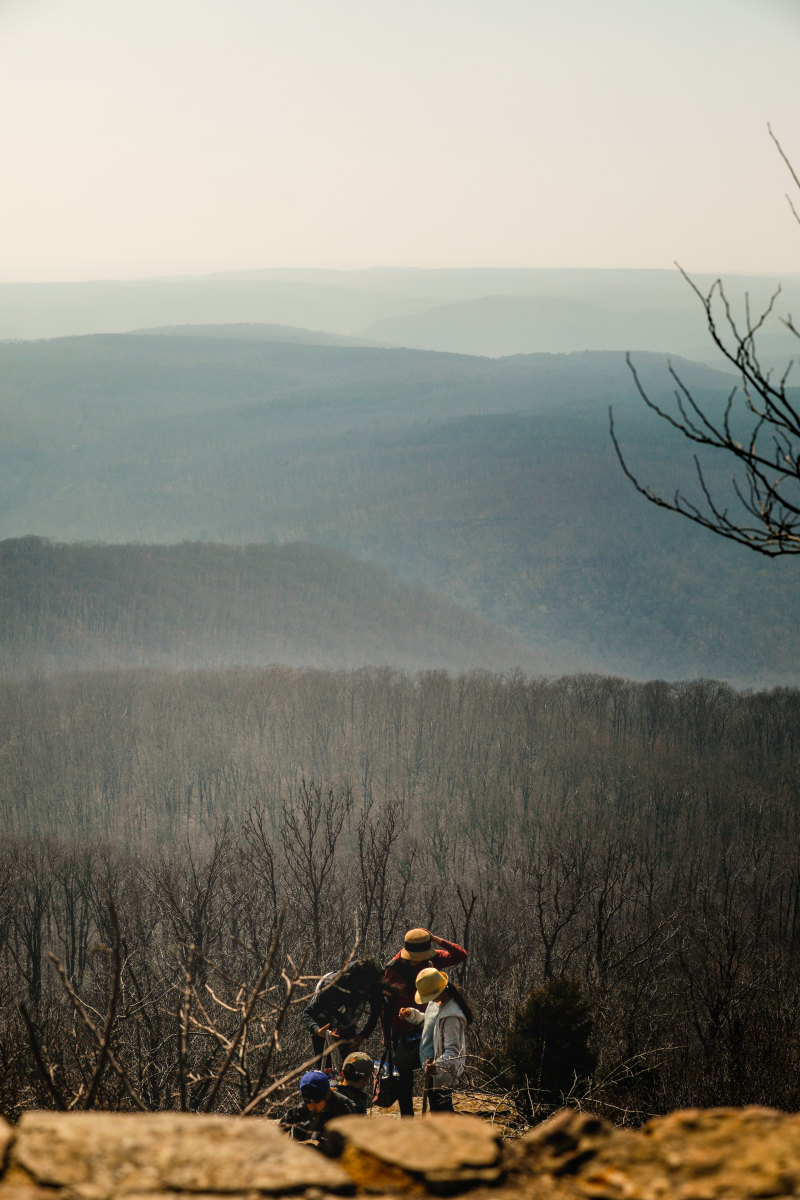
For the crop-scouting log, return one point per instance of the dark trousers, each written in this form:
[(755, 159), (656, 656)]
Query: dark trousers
[(405, 1092), (405, 1076), (440, 1100)]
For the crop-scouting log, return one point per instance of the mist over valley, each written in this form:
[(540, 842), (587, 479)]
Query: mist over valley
[(490, 482), (492, 312)]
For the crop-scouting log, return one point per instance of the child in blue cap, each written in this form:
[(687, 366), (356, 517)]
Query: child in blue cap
[(319, 1104)]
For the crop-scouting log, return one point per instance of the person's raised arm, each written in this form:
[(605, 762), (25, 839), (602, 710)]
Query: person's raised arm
[(448, 954)]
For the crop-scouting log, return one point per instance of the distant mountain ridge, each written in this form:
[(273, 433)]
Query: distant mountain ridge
[(656, 308), (489, 481), (256, 331), (507, 325)]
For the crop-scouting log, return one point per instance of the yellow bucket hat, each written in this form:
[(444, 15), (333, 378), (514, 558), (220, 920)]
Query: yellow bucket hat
[(430, 984)]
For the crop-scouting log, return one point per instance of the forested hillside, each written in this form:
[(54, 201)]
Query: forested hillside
[(637, 838), (492, 482), (89, 607)]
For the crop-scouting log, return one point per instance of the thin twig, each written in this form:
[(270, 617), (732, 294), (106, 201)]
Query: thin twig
[(184, 1007), (47, 1079), (116, 973), (291, 983), (254, 997), (79, 1007)]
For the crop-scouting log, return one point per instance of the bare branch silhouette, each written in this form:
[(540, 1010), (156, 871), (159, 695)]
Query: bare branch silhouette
[(760, 434), (38, 1058)]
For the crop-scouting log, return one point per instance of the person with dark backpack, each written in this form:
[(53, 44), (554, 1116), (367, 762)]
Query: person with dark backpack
[(346, 1009), (420, 949)]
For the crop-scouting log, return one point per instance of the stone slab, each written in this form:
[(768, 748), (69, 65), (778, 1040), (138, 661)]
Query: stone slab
[(98, 1155), (22, 1191), (713, 1154), (716, 1154), (436, 1152)]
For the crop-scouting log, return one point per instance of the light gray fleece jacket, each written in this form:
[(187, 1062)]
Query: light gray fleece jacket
[(443, 1028)]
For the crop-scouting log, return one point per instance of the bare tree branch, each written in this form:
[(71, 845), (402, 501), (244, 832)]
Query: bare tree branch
[(80, 1008), (251, 1003), (184, 1005), (116, 972), (38, 1058), (766, 489)]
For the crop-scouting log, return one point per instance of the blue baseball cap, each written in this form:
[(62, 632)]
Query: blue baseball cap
[(314, 1085)]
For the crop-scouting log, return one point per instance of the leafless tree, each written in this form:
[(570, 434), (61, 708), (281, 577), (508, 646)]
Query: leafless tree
[(386, 865), (312, 821), (758, 428), (644, 838)]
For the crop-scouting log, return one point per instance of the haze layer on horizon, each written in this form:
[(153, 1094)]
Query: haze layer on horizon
[(187, 138)]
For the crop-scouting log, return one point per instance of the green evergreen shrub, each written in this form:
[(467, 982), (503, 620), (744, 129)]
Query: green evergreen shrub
[(548, 1044)]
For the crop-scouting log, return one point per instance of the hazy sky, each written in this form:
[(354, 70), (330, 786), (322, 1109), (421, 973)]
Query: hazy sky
[(185, 136)]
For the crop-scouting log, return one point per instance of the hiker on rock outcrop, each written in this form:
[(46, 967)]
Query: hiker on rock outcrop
[(345, 1010), (443, 1047), (319, 1103), (420, 949)]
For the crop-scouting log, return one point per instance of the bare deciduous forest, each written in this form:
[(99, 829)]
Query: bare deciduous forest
[(640, 839)]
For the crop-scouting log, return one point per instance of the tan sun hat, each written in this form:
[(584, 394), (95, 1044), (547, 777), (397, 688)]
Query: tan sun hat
[(430, 984), (418, 946)]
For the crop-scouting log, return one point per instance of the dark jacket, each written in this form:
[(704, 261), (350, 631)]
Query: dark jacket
[(343, 1009), (401, 975), (358, 1097), (306, 1125)]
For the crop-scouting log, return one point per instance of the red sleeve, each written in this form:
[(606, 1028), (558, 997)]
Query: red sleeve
[(449, 954)]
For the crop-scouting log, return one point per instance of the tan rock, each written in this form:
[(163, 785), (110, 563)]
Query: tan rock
[(18, 1191), (448, 1149), (734, 1152), (556, 1142), (98, 1155), (6, 1136), (717, 1154)]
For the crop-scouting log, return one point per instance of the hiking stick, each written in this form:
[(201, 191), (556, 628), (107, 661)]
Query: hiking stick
[(327, 1046), (426, 1087)]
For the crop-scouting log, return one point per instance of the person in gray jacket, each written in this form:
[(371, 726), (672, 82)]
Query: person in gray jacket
[(443, 1049)]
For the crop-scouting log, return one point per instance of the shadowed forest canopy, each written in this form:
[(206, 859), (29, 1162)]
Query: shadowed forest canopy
[(641, 838)]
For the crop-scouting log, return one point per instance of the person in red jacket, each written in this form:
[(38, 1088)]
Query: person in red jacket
[(420, 949)]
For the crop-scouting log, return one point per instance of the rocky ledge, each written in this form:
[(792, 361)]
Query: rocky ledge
[(719, 1154)]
